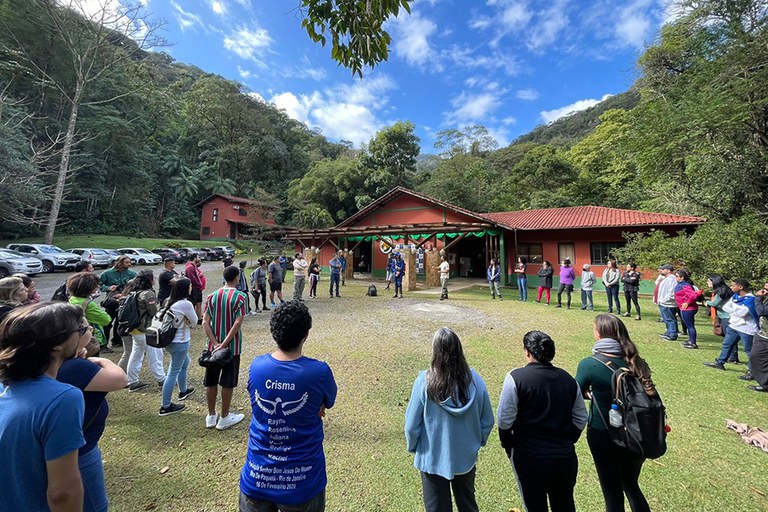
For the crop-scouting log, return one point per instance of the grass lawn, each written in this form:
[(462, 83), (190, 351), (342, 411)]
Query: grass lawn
[(375, 347)]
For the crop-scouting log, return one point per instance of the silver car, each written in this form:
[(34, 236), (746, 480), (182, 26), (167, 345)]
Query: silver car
[(12, 262), (96, 257), (141, 256), (53, 258)]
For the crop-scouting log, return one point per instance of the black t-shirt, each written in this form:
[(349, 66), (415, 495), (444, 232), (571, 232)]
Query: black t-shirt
[(164, 284)]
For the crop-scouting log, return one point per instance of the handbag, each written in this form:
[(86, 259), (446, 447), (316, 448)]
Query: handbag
[(217, 359), (717, 327)]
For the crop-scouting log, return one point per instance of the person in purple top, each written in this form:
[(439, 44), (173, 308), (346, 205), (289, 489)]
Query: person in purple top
[(567, 275)]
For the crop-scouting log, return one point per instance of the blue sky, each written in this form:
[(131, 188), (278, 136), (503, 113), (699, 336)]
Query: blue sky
[(508, 65)]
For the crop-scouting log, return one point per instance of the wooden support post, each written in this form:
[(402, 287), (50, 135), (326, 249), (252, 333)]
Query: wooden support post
[(454, 242)]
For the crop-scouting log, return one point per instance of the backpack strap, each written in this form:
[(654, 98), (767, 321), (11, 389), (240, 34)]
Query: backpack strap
[(608, 364), (85, 304)]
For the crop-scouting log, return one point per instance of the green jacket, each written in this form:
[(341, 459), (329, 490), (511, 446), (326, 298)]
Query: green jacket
[(112, 277), (96, 316)]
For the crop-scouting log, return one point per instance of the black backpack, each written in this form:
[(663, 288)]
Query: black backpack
[(61, 294), (644, 429), (372, 291), (128, 314)]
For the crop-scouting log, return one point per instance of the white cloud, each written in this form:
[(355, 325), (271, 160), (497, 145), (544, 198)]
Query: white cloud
[(508, 121), (118, 15), (527, 94), (516, 16), (348, 112), (218, 7), (633, 25), (249, 44), (186, 19), (244, 73), (501, 134), (256, 97), (481, 22), (467, 58), (552, 21), (550, 116), (411, 40), (304, 70), (471, 108)]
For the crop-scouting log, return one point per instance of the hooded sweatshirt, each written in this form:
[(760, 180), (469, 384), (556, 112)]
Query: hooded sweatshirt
[(446, 437)]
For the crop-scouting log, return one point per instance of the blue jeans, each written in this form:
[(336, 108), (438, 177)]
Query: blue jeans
[(586, 300), (732, 337), (94, 489), (522, 285), (734, 355), (670, 321), (688, 317), (334, 279), (177, 371), (613, 297)]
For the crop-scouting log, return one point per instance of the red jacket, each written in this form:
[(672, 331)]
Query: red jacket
[(191, 273), (686, 294)]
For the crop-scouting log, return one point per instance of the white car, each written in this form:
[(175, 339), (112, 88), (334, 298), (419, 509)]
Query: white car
[(12, 262), (53, 258), (96, 257), (142, 256)]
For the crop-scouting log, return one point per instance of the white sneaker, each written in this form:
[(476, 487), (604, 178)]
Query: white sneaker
[(229, 420), (210, 420)]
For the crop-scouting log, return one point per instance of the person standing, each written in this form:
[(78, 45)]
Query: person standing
[(289, 395), (112, 282), (283, 266), (185, 318), (611, 279), (41, 418), (545, 280), (721, 295), (758, 358), (667, 304), (618, 469), (12, 294), (742, 325), (94, 377), (686, 295), (147, 304), (343, 262), (448, 419), (314, 277), (631, 279), (588, 280), (242, 286), (300, 266), (275, 277), (191, 272), (522, 278), (223, 317), (399, 273), (494, 278), (335, 265), (541, 415), (390, 269), (81, 287), (567, 277), (259, 286), (445, 273), (166, 279)]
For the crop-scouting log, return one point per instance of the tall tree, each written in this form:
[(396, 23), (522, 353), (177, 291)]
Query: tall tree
[(391, 158)]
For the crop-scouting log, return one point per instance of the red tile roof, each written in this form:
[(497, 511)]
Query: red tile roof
[(234, 199), (575, 217)]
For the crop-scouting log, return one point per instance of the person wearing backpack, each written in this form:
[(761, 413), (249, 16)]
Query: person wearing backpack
[(147, 305), (184, 319), (618, 469), (81, 288), (112, 282)]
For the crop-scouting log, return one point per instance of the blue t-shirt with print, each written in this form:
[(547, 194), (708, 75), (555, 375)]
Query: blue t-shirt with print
[(79, 373), (285, 462), (40, 420)]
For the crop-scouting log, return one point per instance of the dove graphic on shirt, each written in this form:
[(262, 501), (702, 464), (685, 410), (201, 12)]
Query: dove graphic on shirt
[(287, 408)]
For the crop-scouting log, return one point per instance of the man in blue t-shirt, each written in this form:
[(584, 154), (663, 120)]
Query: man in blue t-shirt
[(41, 418), (285, 463)]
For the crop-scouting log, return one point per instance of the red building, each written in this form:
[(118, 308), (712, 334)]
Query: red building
[(231, 217), (416, 222)]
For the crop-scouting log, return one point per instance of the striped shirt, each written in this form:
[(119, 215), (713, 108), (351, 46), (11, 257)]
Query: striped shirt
[(224, 306)]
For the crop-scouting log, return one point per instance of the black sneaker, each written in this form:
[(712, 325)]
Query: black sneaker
[(165, 411), (715, 364), (106, 350), (747, 376), (690, 345), (160, 384), (136, 386), (761, 389), (184, 394)]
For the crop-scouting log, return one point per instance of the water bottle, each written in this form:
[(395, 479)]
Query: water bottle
[(614, 416)]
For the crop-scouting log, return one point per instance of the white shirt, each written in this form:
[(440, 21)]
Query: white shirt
[(445, 269), (300, 266), (185, 315)]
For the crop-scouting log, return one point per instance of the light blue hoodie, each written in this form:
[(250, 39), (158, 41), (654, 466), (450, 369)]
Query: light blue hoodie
[(445, 437)]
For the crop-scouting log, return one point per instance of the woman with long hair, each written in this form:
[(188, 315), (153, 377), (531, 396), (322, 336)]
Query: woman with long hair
[(611, 278), (631, 279), (541, 415), (545, 280), (184, 319), (721, 295), (522, 278), (32, 296), (618, 469), (314, 277), (567, 276), (686, 296), (81, 287), (12, 294), (147, 304), (447, 421)]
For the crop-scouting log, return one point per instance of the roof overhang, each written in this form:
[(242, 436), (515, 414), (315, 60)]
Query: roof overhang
[(395, 229)]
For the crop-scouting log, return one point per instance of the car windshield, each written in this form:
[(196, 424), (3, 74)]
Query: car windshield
[(100, 252), (143, 251), (49, 249), (10, 256)]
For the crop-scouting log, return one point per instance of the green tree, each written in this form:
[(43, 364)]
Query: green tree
[(333, 185), (391, 158), (312, 216), (473, 140), (463, 180)]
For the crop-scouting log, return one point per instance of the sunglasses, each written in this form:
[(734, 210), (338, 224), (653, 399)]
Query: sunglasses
[(83, 329)]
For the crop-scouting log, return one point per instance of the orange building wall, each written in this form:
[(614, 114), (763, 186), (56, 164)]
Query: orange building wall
[(229, 211)]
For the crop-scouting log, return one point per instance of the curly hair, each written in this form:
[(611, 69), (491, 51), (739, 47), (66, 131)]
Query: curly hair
[(82, 284), (29, 334), (540, 345), (290, 324), (144, 280)]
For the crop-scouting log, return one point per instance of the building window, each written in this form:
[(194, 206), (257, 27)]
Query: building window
[(215, 215), (242, 212), (566, 251), (601, 252), (206, 230), (533, 253)]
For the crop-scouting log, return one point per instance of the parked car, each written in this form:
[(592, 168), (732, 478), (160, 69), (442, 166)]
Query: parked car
[(142, 256), (113, 255), (12, 262), (53, 258), (196, 251), (96, 257), (214, 253), (230, 251), (166, 252)]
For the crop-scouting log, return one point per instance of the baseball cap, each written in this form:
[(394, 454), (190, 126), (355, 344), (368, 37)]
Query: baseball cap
[(666, 266)]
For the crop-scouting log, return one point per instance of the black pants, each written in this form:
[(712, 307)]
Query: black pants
[(260, 291), (437, 492), (619, 471), (758, 360), (568, 289), (542, 478), (630, 297)]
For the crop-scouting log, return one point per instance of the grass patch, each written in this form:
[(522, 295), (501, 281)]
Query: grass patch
[(375, 347)]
